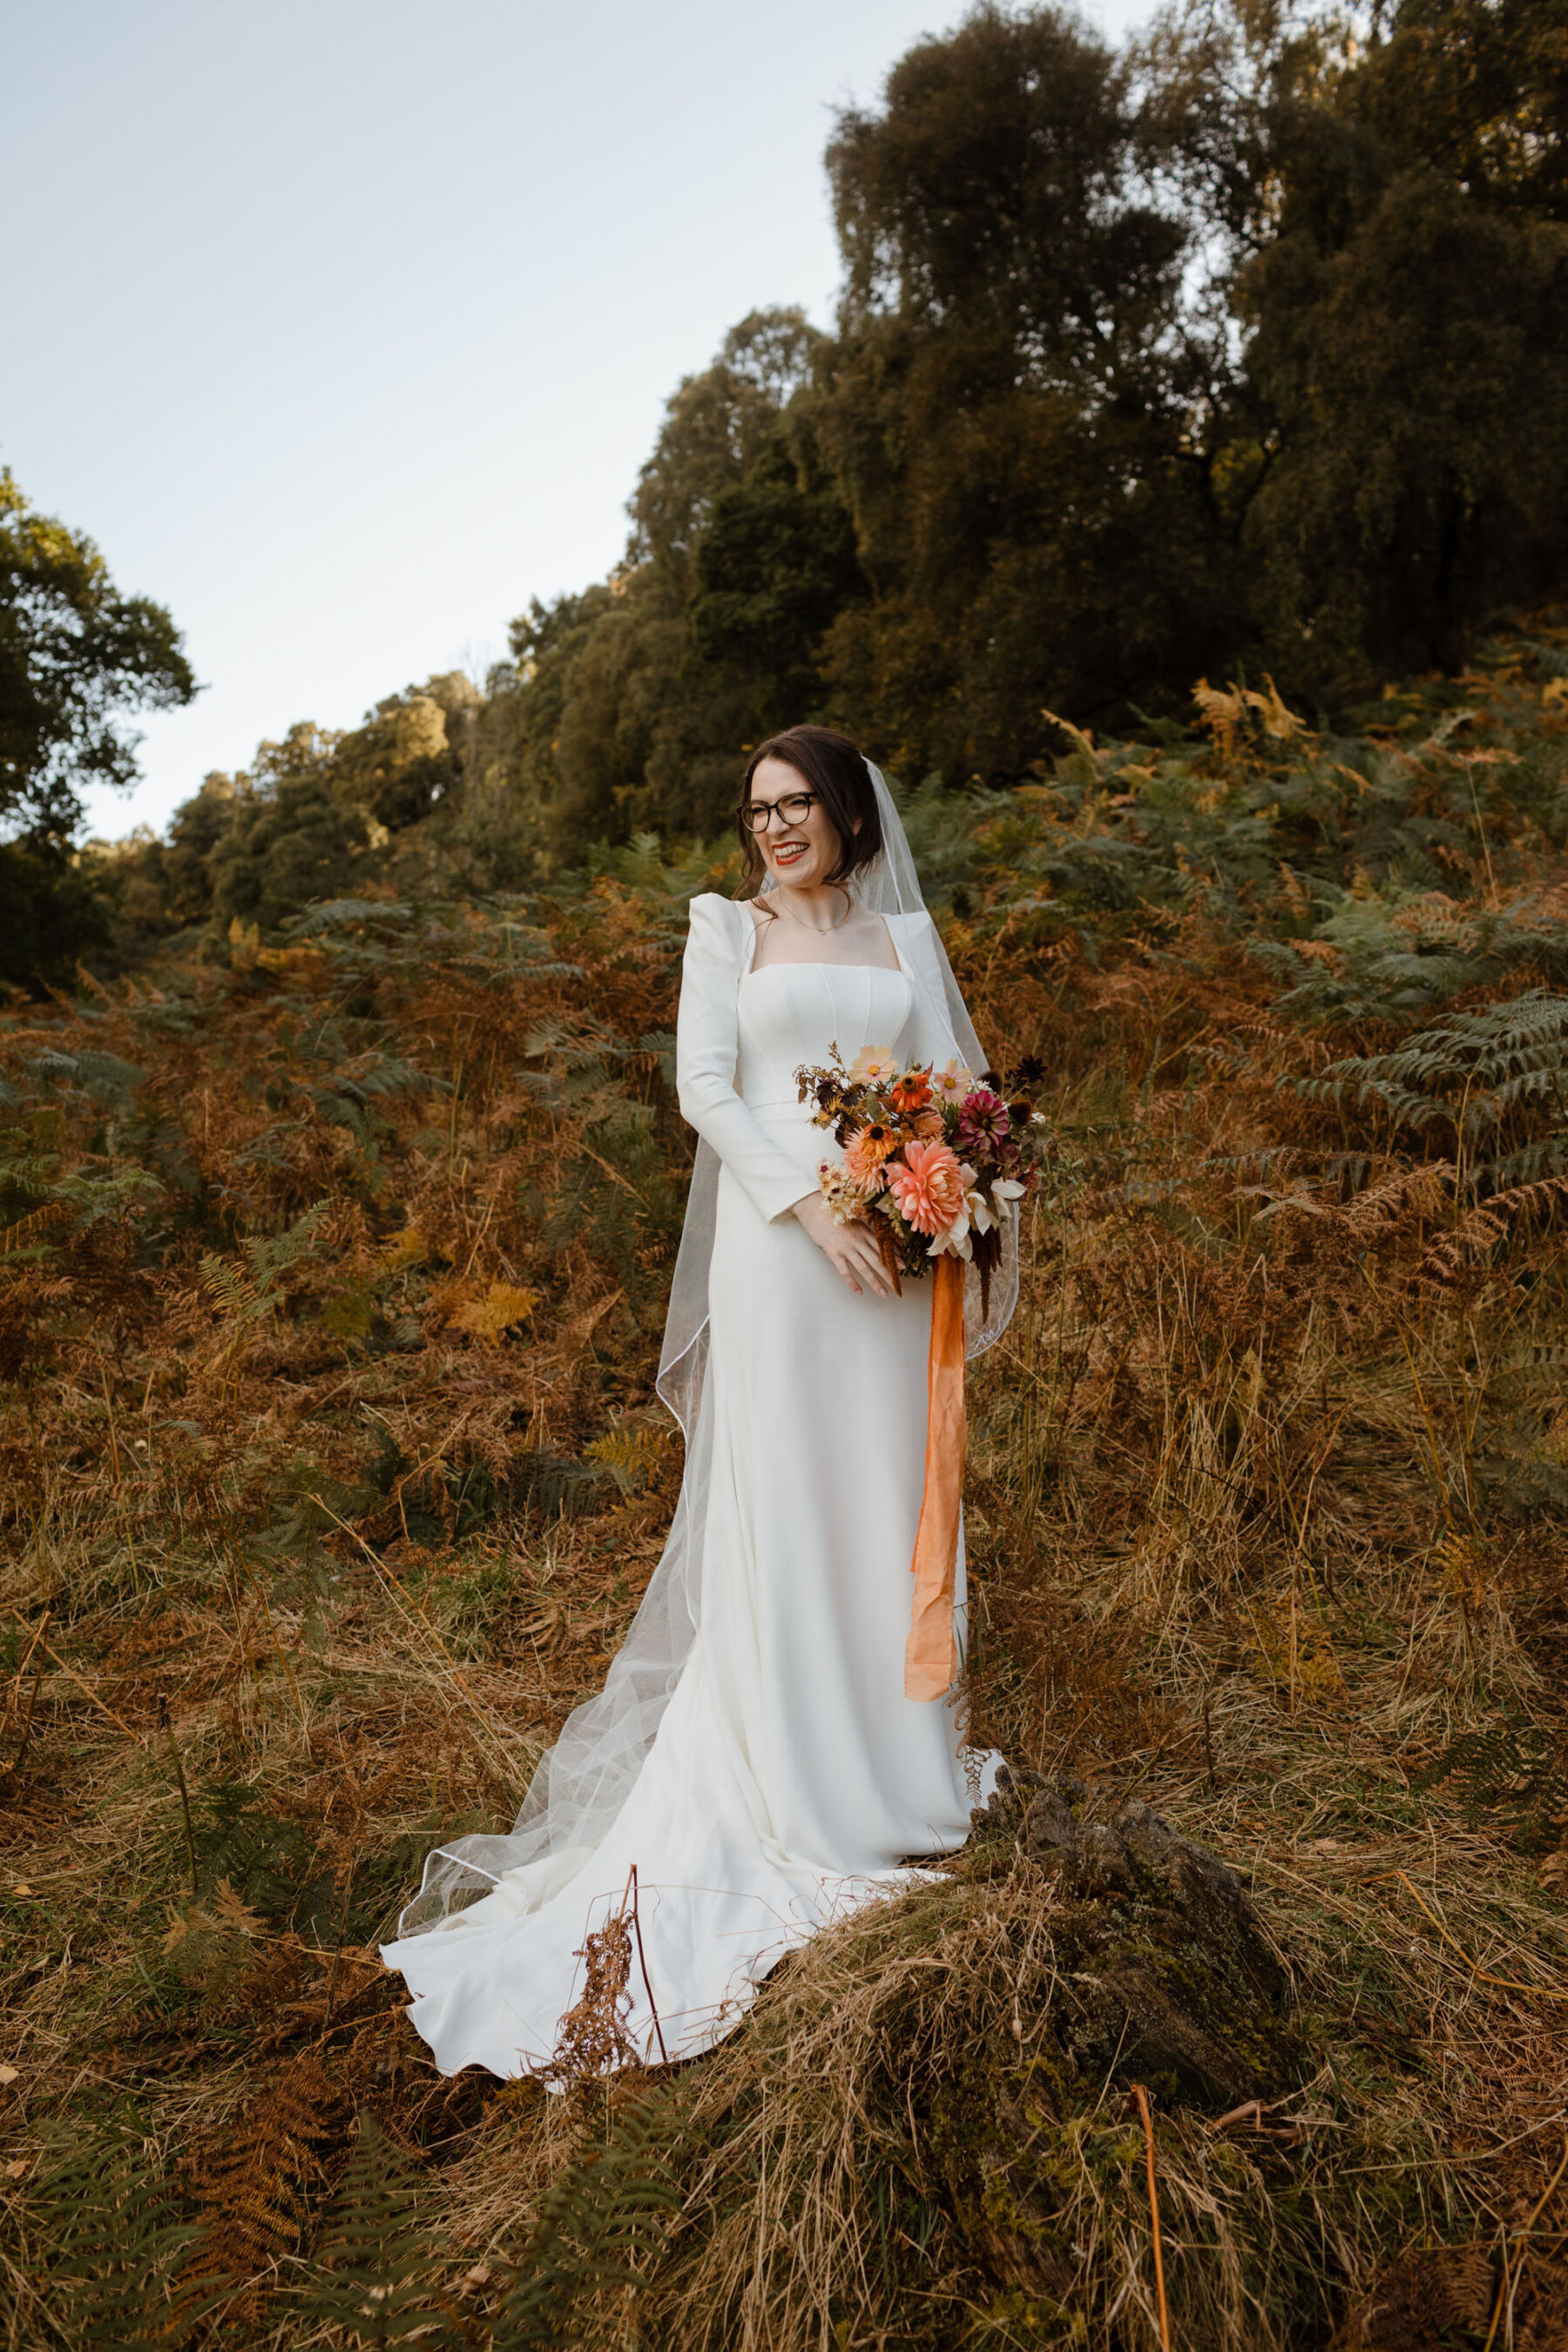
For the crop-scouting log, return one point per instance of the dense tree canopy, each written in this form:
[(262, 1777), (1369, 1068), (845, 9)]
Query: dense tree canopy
[(293, 835), (1243, 348), (74, 656), (1407, 309), (1009, 404)]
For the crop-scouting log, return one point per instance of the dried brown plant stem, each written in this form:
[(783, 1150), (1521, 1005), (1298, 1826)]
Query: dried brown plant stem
[(119, 1473), (338, 1952), (1503, 2292), (14, 1768), (613, 1173), (10, 1704), (1481, 1976), (1470, 769), (85, 1688), (409, 1611), (282, 1654), (1439, 1480), (166, 1720), (642, 1963), (1140, 2100)]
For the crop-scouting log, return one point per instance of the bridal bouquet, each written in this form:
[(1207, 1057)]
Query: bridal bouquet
[(930, 1158)]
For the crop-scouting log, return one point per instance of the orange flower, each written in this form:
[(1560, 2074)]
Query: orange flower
[(864, 1155), (928, 1187), (911, 1093)]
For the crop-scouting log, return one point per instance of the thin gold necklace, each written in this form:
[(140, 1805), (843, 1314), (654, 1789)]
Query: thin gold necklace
[(819, 930)]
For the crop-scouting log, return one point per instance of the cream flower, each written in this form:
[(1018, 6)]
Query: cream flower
[(847, 1199), (952, 1083), (981, 1211), (873, 1065)]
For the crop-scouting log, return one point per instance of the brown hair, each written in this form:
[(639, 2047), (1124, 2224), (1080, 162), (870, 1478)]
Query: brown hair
[(829, 765)]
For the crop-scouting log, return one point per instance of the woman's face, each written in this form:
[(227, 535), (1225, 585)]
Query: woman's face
[(803, 854)]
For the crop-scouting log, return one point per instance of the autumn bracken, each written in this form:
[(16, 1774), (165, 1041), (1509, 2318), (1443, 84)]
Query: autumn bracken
[(334, 1267)]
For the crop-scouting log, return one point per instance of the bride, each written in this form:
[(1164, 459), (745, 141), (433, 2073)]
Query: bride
[(752, 1752)]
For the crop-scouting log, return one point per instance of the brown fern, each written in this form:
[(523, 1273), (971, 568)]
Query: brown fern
[(258, 2181)]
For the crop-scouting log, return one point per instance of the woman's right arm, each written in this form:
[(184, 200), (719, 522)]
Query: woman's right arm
[(707, 1041)]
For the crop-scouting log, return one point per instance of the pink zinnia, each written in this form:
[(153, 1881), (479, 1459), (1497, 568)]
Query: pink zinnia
[(928, 1187)]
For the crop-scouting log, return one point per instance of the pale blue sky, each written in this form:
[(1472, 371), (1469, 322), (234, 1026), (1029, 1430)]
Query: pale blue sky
[(344, 325)]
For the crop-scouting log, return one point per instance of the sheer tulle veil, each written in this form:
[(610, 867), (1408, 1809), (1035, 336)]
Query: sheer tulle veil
[(582, 1783)]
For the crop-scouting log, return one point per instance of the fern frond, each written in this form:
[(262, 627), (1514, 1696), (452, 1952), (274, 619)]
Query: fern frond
[(256, 2187), (629, 1454), (373, 2258), (599, 2219), (1509, 1773), (1482, 1075), (1491, 1222), (268, 1259), (116, 2248), (29, 1231), (234, 1295)]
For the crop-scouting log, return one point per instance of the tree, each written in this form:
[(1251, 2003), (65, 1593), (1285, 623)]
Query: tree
[(399, 763), (774, 569), (631, 704), (74, 656), (1010, 402), (195, 832), (1407, 316), (1242, 349), (716, 427), (149, 888), (51, 911), (292, 836)]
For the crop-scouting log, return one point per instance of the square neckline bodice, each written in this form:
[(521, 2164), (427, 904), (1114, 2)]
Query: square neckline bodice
[(821, 963)]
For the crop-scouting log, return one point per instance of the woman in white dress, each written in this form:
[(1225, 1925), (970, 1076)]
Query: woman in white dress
[(752, 1753)]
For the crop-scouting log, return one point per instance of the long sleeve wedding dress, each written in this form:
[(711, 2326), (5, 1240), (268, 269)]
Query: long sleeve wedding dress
[(774, 1774)]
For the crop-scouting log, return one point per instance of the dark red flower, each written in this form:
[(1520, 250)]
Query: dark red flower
[(981, 1122)]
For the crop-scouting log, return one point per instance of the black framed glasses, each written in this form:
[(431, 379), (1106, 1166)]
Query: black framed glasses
[(794, 808)]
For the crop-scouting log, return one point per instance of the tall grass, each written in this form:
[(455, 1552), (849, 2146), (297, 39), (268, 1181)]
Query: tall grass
[(332, 1274)]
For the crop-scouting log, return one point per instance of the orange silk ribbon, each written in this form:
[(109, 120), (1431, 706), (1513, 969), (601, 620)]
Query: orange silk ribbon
[(931, 1655)]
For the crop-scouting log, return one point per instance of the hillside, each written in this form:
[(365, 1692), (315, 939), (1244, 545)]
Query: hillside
[(332, 1266)]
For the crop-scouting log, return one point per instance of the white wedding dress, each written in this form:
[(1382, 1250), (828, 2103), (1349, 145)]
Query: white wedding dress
[(789, 1779)]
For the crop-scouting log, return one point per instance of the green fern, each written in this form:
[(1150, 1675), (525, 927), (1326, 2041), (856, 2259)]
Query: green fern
[(268, 1259), (374, 2257), (1510, 1774), (246, 1299), (594, 2221), (1490, 1088), (115, 2247), (1403, 949)]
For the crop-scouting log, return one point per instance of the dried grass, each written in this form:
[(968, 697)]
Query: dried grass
[(304, 1566)]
